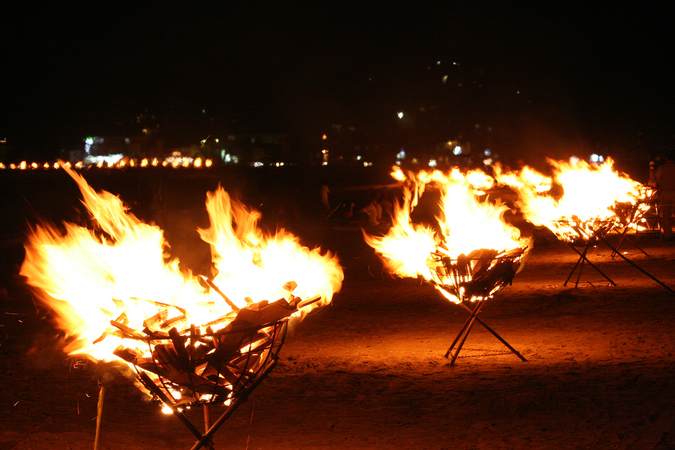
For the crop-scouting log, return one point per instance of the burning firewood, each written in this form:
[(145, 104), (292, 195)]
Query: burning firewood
[(114, 292), (472, 253)]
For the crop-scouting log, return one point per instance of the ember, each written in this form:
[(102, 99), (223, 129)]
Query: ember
[(474, 253), (192, 339)]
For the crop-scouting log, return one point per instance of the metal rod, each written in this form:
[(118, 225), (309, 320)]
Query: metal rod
[(207, 417), (494, 333), (581, 269), (576, 265), (466, 324), (583, 257), (99, 415), (637, 267), (206, 438), (624, 236), (466, 335), (158, 392), (464, 332)]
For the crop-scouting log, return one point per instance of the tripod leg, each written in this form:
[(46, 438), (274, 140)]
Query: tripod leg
[(461, 344), (575, 267), (592, 265), (464, 333), (581, 269), (461, 332), (637, 267), (494, 333), (158, 392)]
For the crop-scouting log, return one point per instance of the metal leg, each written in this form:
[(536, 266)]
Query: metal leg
[(494, 333), (581, 258), (461, 332), (624, 236), (584, 258), (466, 329), (205, 440), (636, 266), (184, 420)]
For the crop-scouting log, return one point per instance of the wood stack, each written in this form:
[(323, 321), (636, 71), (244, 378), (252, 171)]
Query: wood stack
[(476, 276), (206, 366)]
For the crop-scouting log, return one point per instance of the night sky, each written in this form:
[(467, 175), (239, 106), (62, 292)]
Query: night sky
[(598, 75)]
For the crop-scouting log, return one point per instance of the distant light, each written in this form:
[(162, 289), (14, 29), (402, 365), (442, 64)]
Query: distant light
[(324, 137), (89, 141), (433, 163), (401, 154), (109, 160), (217, 140), (445, 79), (324, 163), (574, 160), (367, 164), (358, 157), (488, 152), (438, 63), (488, 161), (400, 115), (258, 164), (597, 158), (457, 150)]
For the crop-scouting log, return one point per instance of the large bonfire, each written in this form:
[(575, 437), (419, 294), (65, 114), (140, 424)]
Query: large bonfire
[(590, 199), (470, 235), (114, 290)]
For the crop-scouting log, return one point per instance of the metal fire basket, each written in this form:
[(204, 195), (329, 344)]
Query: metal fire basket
[(473, 279), (629, 214), (192, 369), (585, 239)]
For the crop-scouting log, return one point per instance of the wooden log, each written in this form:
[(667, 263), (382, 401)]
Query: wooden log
[(227, 300), (127, 330), (127, 354), (173, 322), (157, 319)]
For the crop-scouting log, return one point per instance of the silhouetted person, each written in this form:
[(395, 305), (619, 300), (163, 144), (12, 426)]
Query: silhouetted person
[(665, 180), (651, 181)]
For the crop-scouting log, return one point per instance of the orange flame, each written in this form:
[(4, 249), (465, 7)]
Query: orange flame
[(120, 272), (465, 224), (589, 200)]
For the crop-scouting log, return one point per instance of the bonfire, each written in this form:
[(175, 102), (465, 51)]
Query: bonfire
[(469, 254), (589, 202), (191, 339)]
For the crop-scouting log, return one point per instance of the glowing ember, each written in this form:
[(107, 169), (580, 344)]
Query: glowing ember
[(471, 238), (116, 294), (590, 198)]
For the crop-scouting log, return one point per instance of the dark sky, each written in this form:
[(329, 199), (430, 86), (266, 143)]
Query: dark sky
[(75, 69)]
